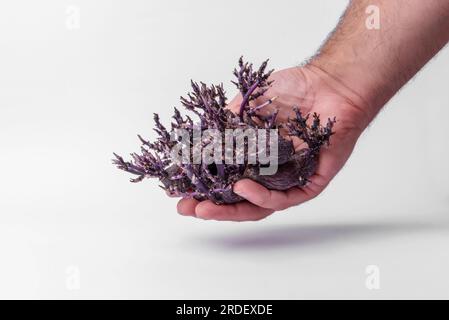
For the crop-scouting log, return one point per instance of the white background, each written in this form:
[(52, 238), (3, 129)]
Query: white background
[(72, 226)]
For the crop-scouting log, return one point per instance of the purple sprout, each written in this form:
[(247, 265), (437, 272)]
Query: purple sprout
[(214, 181)]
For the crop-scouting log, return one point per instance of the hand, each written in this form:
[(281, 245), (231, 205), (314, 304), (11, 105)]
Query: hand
[(312, 90)]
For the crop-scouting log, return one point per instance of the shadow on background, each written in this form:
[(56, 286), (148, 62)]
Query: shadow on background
[(316, 235)]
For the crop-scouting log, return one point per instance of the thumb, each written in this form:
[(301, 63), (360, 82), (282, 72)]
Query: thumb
[(234, 104)]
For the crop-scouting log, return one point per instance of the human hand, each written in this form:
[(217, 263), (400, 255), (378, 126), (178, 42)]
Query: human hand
[(313, 90)]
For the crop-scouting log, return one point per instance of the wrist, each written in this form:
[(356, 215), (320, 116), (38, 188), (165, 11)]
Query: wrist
[(356, 82)]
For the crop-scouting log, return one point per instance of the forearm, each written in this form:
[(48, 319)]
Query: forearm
[(376, 63)]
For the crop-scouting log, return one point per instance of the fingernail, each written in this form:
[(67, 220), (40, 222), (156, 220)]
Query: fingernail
[(200, 216), (238, 190)]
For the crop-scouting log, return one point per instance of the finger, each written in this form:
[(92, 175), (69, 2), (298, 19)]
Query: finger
[(242, 211), (261, 196), (186, 207), (317, 184), (298, 195), (276, 200)]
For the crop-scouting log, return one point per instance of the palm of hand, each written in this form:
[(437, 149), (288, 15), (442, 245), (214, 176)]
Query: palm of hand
[(312, 91)]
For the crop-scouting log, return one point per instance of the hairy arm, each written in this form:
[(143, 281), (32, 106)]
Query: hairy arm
[(375, 61)]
